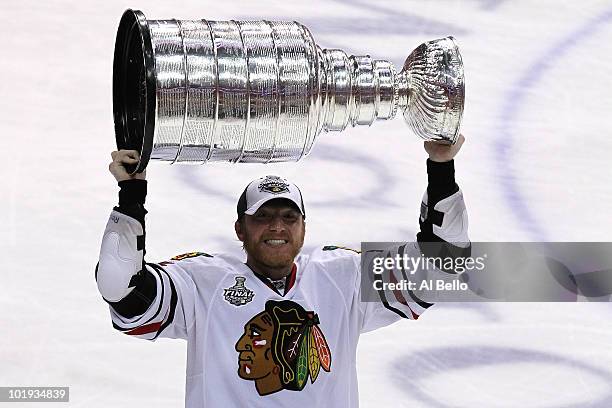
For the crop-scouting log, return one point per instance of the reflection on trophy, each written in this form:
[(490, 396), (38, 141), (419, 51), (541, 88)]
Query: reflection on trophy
[(193, 91)]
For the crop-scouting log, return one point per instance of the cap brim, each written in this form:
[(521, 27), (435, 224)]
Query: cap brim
[(253, 209)]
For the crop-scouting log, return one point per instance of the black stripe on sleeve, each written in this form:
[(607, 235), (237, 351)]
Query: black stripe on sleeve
[(155, 315), (140, 298), (173, 302), (422, 303), (381, 293), (386, 304)]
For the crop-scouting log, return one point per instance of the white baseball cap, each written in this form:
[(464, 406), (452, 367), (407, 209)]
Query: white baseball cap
[(264, 189)]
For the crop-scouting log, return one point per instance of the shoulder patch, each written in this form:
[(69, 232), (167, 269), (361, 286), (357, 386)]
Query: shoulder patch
[(184, 256), (334, 247), (190, 255)]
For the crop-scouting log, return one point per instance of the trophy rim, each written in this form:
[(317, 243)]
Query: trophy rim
[(134, 27), (461, 79)]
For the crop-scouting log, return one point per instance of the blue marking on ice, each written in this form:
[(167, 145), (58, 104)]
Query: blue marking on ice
[(515, 100)]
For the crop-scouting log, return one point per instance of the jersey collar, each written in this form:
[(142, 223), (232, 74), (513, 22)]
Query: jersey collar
[(289, 281)]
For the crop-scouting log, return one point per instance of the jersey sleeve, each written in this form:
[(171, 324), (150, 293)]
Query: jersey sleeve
[(146, 300), (171, 313), (443, 220), (388, 306)]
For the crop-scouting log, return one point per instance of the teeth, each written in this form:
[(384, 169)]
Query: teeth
[(247, 369), (275, 241)]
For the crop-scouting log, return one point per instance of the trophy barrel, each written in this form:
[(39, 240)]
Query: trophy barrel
[(194, 91)]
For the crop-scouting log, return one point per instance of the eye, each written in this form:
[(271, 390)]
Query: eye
[(291, 216), (254, 332), (261, 216)]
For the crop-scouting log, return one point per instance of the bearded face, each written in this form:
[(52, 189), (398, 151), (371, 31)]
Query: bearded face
[(272, 237)]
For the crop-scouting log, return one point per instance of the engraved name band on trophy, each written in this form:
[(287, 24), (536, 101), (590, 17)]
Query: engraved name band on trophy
[(193, 91)]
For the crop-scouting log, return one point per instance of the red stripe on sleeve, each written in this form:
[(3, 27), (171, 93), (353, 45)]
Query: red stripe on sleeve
[(147, 328), (400, 297)]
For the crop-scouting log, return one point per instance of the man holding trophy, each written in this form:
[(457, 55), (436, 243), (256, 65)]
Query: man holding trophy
[(259, 91)]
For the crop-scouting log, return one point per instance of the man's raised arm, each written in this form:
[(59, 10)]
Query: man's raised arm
[(145, 299), (443, 213), (121, 275), (443, 219)]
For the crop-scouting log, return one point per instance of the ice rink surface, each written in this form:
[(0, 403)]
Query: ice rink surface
[(535, 167)]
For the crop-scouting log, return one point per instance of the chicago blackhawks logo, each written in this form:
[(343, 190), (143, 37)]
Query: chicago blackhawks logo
[(274, 185), (281, 347)]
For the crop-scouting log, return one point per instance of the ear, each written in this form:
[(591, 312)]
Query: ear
[(239, 232)]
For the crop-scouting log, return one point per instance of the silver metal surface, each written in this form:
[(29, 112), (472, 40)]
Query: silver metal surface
[(262, 91)]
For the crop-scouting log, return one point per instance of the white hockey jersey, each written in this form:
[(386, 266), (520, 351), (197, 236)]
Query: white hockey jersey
[(249, 344)]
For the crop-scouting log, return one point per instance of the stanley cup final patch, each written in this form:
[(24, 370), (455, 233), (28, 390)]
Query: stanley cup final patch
[(274, 185), (238, 294)]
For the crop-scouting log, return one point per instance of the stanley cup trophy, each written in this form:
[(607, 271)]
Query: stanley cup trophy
[(193, 91)]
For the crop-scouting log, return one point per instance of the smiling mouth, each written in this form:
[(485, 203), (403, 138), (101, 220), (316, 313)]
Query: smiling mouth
[(275, 242)]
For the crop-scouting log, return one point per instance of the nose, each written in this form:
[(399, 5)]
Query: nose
[(277, 224), (242, 344)]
